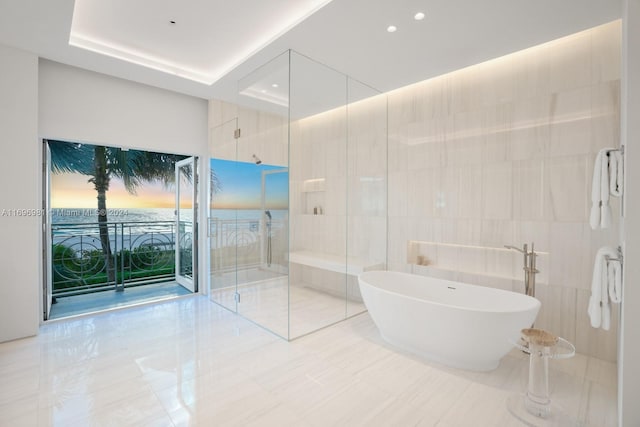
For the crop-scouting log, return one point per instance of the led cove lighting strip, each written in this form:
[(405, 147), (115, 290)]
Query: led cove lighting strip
[(138, 59), (118, 52)]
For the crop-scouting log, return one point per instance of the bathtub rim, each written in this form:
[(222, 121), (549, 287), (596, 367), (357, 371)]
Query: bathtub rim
[(535, 302)]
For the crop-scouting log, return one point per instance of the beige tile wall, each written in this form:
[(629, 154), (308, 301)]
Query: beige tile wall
[(502, 153), (347, 149)]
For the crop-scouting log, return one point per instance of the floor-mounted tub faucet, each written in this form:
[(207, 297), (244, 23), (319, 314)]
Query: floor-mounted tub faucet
[(529, 268)]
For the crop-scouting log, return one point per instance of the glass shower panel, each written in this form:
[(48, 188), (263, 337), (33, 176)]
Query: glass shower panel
[(223, 216), (318, 184), (303, 193), (263, 220), (367, 187)]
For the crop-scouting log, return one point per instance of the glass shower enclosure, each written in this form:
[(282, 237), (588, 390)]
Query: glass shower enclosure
[(298, 195)]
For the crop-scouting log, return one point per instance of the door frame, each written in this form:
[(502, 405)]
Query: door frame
[(190, 283)]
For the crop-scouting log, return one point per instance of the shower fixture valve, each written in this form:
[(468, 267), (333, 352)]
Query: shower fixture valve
[(529, 268)]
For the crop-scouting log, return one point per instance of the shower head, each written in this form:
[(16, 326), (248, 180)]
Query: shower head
[(256, 159)]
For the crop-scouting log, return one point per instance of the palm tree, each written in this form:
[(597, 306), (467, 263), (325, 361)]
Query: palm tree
[(101, 164)]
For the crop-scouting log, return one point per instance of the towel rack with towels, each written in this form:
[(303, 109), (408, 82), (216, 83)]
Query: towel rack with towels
[(621, 149), (606, 286), (619, 258)]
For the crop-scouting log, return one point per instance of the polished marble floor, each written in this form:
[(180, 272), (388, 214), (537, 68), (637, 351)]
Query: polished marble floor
[(190, 362)]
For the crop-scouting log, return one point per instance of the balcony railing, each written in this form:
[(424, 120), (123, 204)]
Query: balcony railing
[(141, 253), (242, 243), (144, 252)]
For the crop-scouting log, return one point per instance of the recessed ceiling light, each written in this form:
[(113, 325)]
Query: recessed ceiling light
[(391, 28), (274, 85), (418, 16)]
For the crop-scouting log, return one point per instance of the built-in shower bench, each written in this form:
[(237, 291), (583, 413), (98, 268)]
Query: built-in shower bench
[(339, 264)]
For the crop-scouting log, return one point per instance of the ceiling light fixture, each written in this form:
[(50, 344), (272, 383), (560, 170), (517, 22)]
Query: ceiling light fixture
[(418, 16), (274, 85), (391, 29)]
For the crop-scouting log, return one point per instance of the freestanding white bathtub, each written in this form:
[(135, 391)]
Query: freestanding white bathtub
[(456, 324)]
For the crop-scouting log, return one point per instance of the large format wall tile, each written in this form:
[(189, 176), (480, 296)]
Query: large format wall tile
[(558, 311), (569, 122), (529, 185), (469, 191), (502, 153), (496, 190), (530, 132), (569, 255), (569, 189), (570, 61), (605, 110), (606, 50)]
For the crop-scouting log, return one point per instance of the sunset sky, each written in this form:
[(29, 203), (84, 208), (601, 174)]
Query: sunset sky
[(74, 191), (242, 186), (241, 189)]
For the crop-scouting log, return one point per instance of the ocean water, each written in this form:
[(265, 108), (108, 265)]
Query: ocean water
[(89, 216)]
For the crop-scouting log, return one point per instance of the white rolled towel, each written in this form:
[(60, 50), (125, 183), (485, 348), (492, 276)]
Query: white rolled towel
[(599, 308), (600, 210), (614, 280), (594, 218), (616, 173)]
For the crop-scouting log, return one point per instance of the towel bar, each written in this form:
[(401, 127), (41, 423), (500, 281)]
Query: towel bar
[(620, 256), (621, 149)]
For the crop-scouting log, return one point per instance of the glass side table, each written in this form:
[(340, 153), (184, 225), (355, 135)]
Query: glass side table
[(534, 408)]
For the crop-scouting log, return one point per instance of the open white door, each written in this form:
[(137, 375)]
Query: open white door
[(186, 225)]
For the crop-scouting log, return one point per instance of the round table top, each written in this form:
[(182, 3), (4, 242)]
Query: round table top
[(539, 337)]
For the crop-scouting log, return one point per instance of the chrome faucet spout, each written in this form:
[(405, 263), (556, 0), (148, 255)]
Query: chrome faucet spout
[(516, 249)]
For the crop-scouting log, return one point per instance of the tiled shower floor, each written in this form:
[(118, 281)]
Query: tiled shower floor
[(287, 310)]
